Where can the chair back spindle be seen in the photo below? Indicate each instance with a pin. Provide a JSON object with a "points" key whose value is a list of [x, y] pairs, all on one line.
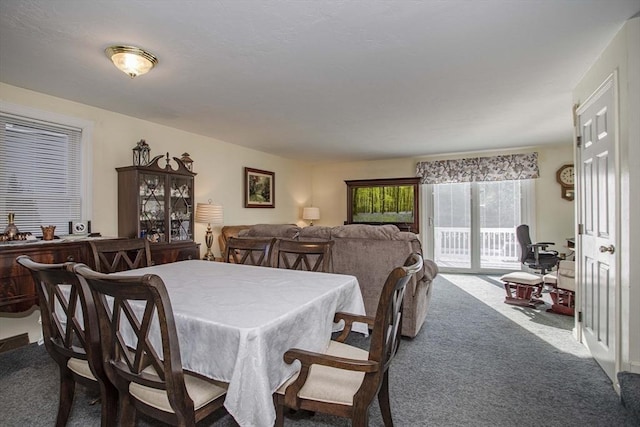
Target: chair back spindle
{"points": [[303, 255], [249, 251], [113, 255], [141, 350], [356, 376], [385, 336], [71, 335]]}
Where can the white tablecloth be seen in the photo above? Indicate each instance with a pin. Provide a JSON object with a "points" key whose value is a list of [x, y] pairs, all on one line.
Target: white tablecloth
{"points": [[235, 322]]}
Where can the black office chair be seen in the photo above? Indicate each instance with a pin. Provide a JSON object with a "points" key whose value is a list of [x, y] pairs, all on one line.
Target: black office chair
{"points": [[535, 255]]}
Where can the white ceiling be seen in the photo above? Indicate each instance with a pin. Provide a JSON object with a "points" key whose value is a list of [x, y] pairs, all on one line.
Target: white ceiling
{"points": [[323, 80]]}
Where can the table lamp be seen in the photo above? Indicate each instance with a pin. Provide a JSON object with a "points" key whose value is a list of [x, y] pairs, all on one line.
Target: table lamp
{"points": [[208, 213], [310, 214]]}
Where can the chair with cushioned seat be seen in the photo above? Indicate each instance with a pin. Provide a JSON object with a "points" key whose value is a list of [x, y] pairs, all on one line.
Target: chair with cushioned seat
{"points": [[344, 380], [147, 372], [535, 255], [249, 251], [113, 255], [303, 255], [522, 288], [71, 336]]}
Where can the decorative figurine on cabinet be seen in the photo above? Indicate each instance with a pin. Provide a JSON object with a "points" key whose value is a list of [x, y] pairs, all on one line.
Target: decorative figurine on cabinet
{"points": [[141, 153]]}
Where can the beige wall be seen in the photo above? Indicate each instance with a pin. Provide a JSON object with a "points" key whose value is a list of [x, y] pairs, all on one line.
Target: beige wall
{"points": [[219, 166], [554, 215], [623, 55]]}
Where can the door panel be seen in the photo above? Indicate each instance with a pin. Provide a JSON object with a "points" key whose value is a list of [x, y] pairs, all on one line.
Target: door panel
{"points": [[500, 212], [452, 231], [604, 221], [597, 215]]}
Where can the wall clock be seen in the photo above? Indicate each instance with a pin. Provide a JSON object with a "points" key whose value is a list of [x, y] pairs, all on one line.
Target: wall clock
{"points": [[566, 178]]}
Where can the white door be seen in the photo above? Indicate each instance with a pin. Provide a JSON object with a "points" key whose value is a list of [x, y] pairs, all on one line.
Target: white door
{"points": [[597, 219]]}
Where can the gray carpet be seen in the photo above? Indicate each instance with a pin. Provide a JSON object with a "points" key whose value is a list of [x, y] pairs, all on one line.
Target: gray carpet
{"points": [[469, 366], [630, 392]]}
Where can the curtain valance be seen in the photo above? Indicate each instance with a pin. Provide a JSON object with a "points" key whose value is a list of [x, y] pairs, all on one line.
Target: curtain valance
{"points": [[496, 168]]}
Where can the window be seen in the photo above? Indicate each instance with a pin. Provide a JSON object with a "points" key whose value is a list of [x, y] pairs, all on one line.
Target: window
{"points": [[474, 224], [43, 169], [474, 205]]}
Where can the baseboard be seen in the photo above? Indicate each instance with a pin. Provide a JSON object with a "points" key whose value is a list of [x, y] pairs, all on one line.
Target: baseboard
{"points": [[634, 367], [14, 342]]}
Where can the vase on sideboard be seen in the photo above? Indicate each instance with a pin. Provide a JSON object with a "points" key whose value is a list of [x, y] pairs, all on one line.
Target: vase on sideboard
{"points": [[11, 231]]}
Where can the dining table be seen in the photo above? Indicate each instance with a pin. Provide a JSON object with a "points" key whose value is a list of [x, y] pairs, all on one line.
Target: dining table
{"points": [[235, 322]]}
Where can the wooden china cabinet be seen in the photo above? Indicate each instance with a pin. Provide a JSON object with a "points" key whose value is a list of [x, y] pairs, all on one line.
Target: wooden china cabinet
{"points": [[153, 202], [156, 202]]}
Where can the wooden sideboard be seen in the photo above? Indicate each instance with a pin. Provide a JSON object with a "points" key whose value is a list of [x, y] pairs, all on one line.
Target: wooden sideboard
{"points": [[17, 290]]}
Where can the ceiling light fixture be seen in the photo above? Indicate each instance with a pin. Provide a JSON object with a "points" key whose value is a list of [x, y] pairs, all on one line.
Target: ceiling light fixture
{"points": [[131, 60]]}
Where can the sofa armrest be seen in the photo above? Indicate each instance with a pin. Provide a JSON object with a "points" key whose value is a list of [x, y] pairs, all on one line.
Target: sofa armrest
{"points": [[430, 270]]}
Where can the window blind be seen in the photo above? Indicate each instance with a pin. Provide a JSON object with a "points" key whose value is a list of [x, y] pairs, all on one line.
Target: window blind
{"points": [[40, 174]]}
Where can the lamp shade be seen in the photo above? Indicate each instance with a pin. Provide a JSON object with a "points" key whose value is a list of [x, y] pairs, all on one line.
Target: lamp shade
{"points": [[311, 213], [208, 213]]}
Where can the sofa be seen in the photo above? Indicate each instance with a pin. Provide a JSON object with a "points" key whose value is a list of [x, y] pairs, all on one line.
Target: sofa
{"points": [[368, 252]]}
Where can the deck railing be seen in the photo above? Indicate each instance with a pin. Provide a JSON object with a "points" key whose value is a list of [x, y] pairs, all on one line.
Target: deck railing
{"points": [[498, 246]]}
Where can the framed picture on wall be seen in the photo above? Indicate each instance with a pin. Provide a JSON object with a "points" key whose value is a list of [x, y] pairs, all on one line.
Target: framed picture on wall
{"points": [[259, 188]]}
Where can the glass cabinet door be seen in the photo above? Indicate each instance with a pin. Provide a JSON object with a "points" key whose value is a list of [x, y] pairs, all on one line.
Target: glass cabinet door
{"points": [[181, 208], [152, 206], [156, 202]]}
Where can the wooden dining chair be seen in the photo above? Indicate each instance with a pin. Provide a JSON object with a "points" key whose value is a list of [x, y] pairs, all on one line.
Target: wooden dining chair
{"points": [[344, 380], [249, 251], [147, 371], [303, 255], [113, 255], [71, 336]]}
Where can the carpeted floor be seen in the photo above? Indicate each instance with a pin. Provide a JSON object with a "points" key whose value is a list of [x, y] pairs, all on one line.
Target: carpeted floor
{"points": [[477, 362]]}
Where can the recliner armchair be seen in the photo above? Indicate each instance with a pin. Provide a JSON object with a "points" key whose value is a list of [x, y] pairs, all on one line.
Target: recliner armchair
{"points": [[535, 255]]}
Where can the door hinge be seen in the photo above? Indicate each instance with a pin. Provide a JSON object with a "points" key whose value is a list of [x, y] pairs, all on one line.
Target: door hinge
{"points": [[580, 229], [579, 317], [578, 141]]}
